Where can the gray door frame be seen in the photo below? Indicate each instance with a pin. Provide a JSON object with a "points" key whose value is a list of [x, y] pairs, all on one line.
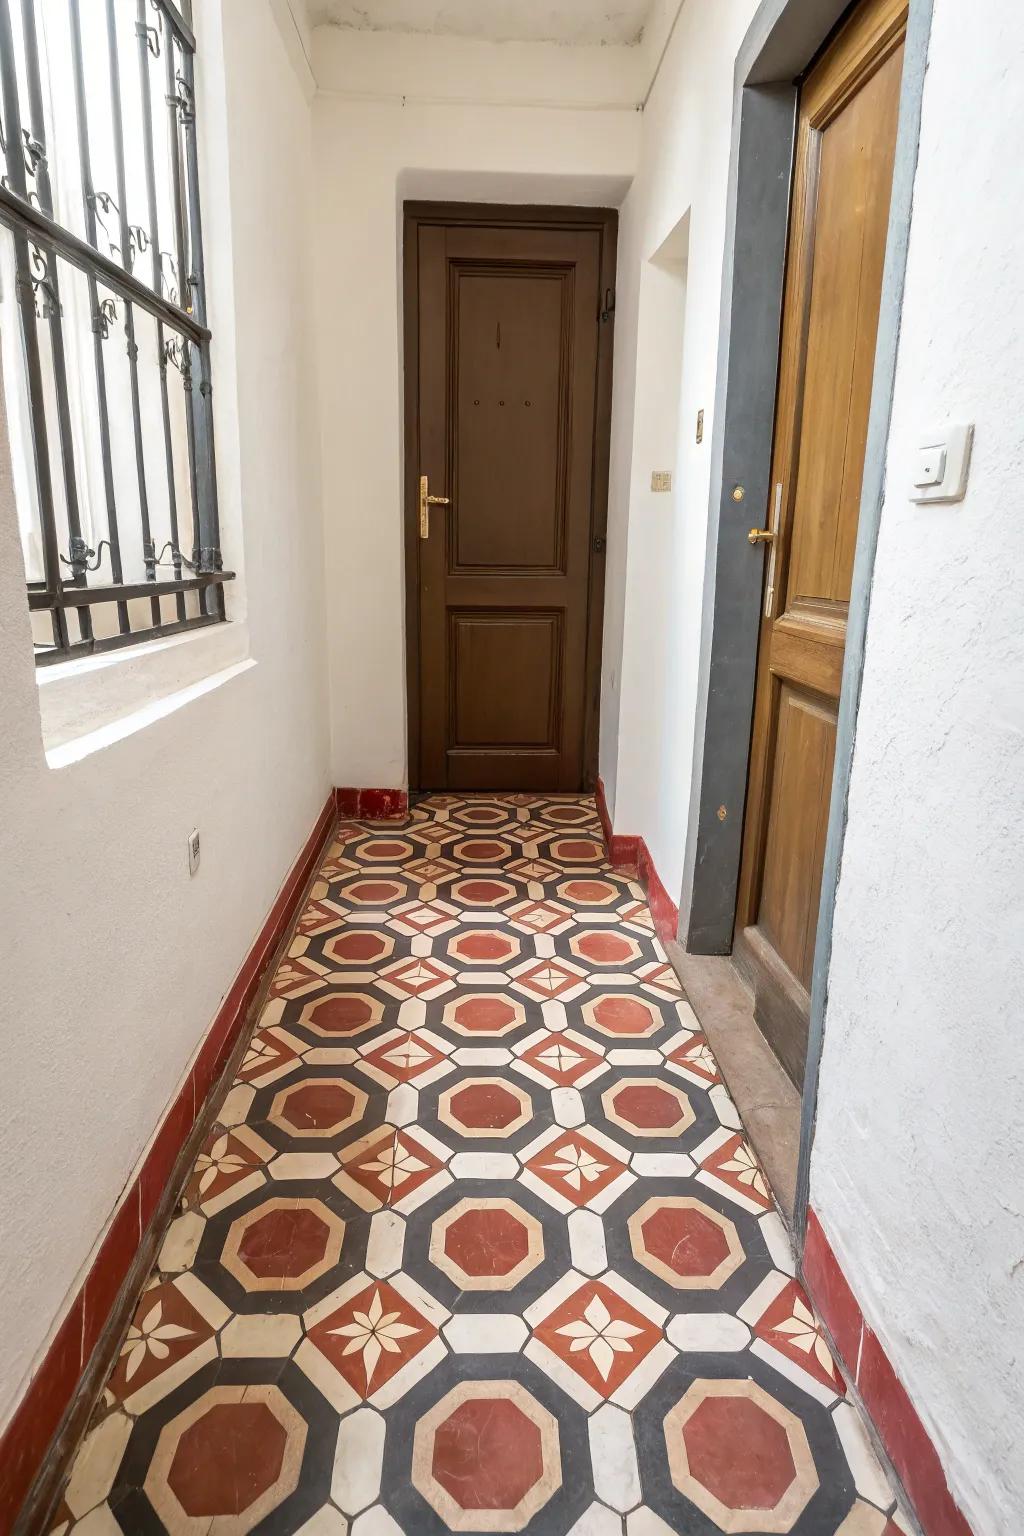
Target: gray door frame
{"points": [[784, 36]]}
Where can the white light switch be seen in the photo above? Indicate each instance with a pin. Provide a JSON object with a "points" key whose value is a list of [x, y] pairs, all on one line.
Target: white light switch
{"points": [[940, 463], [931, 465]]}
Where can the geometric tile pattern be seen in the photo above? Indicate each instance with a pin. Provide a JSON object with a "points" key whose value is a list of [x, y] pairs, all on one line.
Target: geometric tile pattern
{"points": [[476, 1243]]}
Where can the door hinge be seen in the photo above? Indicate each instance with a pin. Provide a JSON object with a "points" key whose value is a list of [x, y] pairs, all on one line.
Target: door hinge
{"points": [[609, 306], [599, 545]]}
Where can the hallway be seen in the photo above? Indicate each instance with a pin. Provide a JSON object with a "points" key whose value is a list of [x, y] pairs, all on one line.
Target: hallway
{"points": [[476, 1243]]}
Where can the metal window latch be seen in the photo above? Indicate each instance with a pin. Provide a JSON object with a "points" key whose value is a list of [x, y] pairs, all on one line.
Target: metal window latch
{"points": [[426, 502]]}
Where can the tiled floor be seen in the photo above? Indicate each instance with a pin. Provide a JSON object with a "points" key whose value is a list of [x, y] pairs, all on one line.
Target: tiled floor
{"points": [[477, 1244]]}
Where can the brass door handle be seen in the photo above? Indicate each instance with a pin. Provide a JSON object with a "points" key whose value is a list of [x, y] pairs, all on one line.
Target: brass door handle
{"points": [[426, 502], [760, 536]]}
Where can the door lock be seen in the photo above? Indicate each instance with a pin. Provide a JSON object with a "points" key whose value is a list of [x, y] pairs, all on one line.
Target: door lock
{"points": [[426, 502]]}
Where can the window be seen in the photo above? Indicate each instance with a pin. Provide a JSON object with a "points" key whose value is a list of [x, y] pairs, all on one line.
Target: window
{"points": [[105, 348]]}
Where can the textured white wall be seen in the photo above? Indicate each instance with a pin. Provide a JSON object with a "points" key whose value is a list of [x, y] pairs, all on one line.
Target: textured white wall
{"points": [[114, 961], [371, 155], [653, 614], [918, 1168]]}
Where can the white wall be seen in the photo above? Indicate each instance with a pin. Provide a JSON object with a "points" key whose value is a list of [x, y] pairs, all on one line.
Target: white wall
{"points": [[114, 961], [656, 544], [371, 154], [918, 1167]]}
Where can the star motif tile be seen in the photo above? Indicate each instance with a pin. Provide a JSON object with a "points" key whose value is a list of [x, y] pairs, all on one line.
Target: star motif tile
{"points": [[477, 1243]]}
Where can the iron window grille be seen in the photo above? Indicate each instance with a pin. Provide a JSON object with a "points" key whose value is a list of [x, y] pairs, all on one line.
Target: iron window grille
{"points": [[102, 258]]}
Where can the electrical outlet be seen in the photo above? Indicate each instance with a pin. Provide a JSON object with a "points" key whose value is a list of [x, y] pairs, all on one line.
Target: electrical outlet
{"points": [[661, 479], [193, 851]]}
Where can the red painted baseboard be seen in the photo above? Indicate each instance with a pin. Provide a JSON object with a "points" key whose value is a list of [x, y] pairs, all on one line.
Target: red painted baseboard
{"points": [[371, 804], [36, 1419], [632, 854], [899, 1427]]}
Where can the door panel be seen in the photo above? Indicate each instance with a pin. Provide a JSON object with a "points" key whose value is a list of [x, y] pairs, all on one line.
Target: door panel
{"points": [[508, 396], [513, 334], [846, 138], [490, 650]]}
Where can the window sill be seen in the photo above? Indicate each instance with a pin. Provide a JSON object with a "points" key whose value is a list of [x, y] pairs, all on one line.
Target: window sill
{"points": [[92, 701]]}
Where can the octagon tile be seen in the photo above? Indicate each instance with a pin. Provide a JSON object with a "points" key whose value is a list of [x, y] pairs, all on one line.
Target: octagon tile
{"points": [[484, 1107], [227, 1461], [487, 1457], [483, 1014], [486, 1244], [685, 1242], [645, 1106], [283, 1244], [770, 1477]]}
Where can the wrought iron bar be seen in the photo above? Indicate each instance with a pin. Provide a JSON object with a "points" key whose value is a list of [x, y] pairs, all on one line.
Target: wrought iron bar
{"points": [[27, 303], [53, 309], [95, 647], [172, 499], [180, 21], [100, 325], [177, 184], [75, 597], [18, 213], [143, 32], [117, 119], [206, 468], [178, 316]]}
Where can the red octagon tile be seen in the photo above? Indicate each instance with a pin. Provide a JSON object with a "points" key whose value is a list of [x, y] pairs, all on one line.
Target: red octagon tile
{"points": [[481, 816], [740, 1456], [318, 1106], [342, 1013], [227, 1460], [486, 1244], [373, 892], [383, 850], [482, 850], [484, 1013], [480, 891], [359, 946], [589, 893], [576, 850], [685, 1243], [283, 1244], [487, 1457], [484, 946], [485, 1107], [605, 946], [646, 1107], [569, 814], [622, 1014]]}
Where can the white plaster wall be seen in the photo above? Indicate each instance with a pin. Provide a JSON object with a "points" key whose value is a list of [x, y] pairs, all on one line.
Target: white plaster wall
{"points": [[918, 1168], [370, 155], [656, 545], [114, 961]]}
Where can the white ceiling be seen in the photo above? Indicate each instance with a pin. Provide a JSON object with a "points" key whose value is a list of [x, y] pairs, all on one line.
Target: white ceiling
{"points": [[555, 21]]}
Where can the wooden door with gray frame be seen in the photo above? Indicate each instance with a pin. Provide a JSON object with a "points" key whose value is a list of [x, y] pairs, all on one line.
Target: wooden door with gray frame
{"points": [[508, 372], [846, 138]]}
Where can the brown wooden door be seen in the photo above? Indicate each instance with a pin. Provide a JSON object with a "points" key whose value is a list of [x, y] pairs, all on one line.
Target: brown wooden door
{"points": [[509, 421], [846, 139]]}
